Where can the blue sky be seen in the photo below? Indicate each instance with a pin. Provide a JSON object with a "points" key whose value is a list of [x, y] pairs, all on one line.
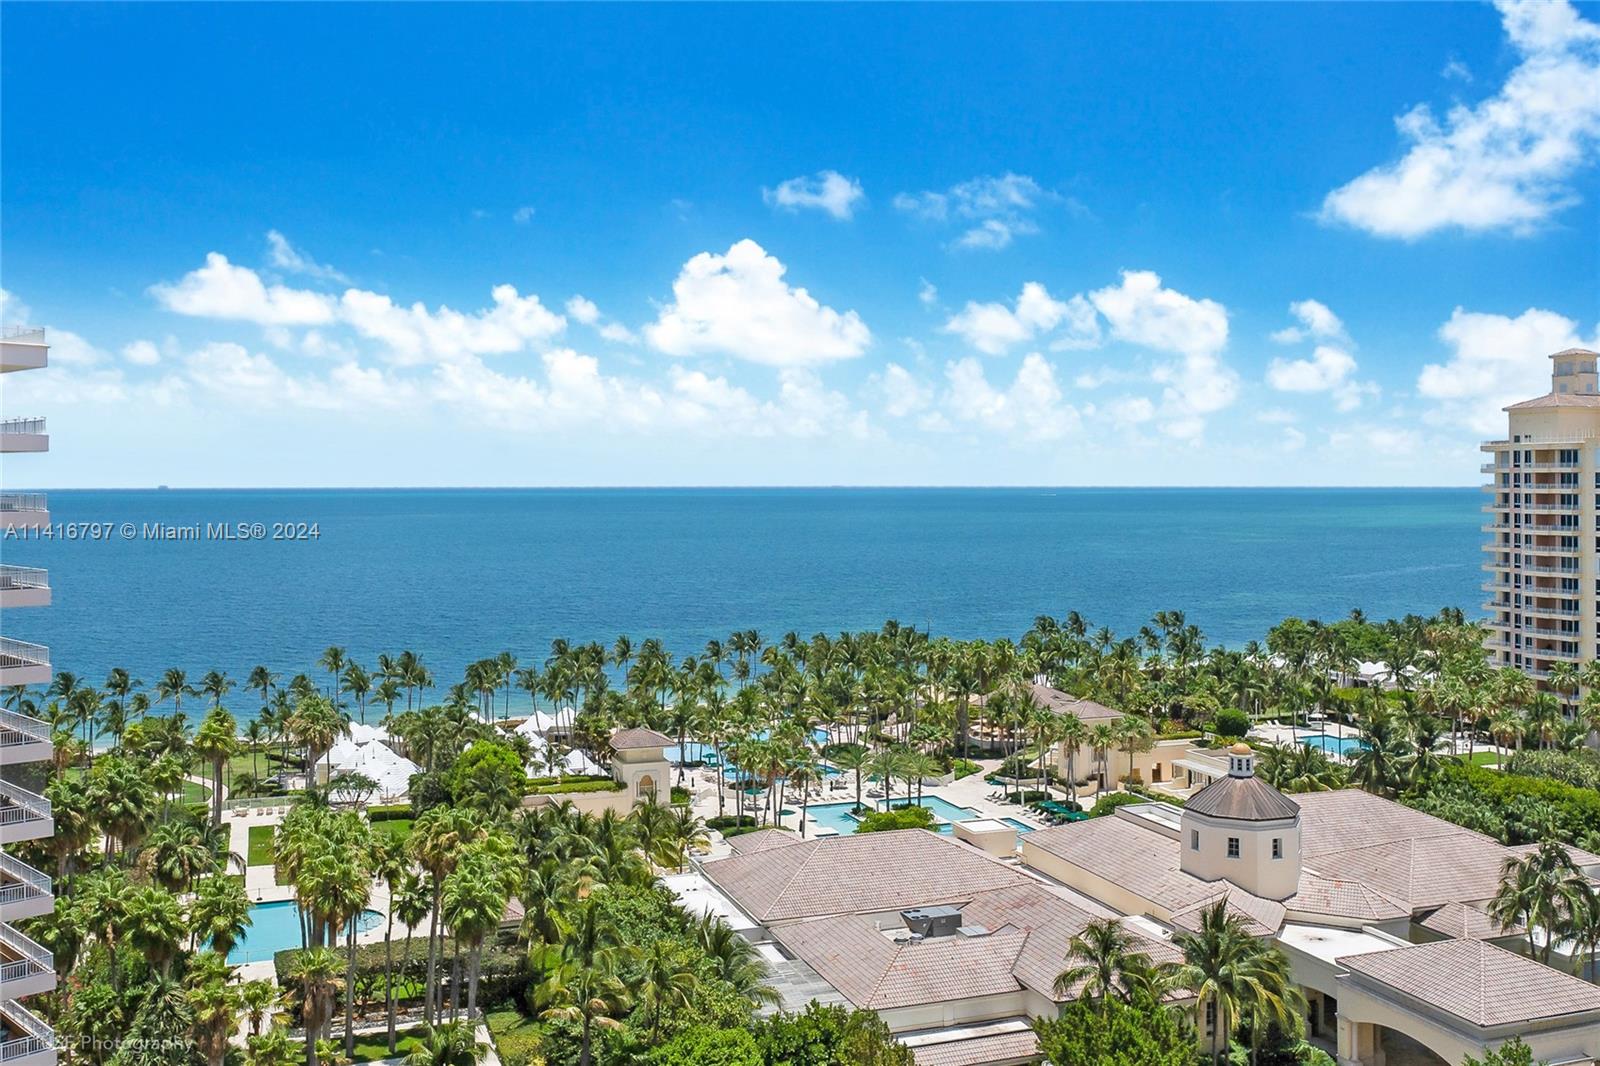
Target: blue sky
{"points": [[521, 245]]}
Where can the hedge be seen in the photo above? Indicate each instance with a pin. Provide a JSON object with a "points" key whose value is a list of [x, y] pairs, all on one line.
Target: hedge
{"points": [[503, 974], [389, 812], [571, 787]]}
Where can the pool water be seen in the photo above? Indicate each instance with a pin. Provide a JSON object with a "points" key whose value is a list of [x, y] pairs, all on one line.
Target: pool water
{"points": [[1331, 744], [697, 752], [840, 817], [275, 927], [1021, 827]]}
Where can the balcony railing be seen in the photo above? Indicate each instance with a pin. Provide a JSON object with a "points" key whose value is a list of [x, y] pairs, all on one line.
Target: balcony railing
{"points": [[36, 1035], [23, 501], [23, 577], [18, 805], [1537, 442], [21, 653], [19, 881], [17, 728], [32, 334], [21, 956], [22, 425], [1554, 612]]}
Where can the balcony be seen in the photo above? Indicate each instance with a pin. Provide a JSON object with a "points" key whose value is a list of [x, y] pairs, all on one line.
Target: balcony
{"points": [[22, 663], [24, 1039], [24, 586], [26, 967], [24, 891], [24, 815], [24, 435], [1559, 571], [23, 510], [23, 348], [1490, 527], [1530, 441], [23, 739], [1550, 612], [1549, 508]]}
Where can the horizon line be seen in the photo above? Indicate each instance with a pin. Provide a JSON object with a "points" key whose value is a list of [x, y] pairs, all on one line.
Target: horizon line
{"points": [[732, 488]]}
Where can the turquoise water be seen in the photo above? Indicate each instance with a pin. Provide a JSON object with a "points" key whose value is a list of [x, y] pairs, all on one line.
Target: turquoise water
{"points": [[275, 927], [841, 818], [458, 575], [1021, 827], [1331, 744]]}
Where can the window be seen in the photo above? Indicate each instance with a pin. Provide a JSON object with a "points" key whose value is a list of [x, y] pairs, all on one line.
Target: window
{"points": [[1277, 847], [1194, 840], [1233, 847]]}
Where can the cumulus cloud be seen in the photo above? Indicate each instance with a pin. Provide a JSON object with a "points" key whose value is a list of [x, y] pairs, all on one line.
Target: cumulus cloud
{"points": [[994, 209], [231, 372], [1329, 369], [1140, 310], [903, 392], [927, 293], [994, 328], [141, 353], [738, 304], [586, 312], [1504, 163], [1495, 360], [827, 191], [417, 335], [288, 258], [1317, 322], [583, 310], [522, 215], [1031, 407], [225, 291]]}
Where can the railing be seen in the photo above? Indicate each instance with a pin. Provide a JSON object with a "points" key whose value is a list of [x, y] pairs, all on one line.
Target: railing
{"points": [[37, 1036], [21, 805], [22, 425], [21, 653], [27, 955], [17, 728], [23, 577], [1556, 612], [1549, 508], [1564, 571], [18, 333], [23, 501], [1495, 445], [21, 881]]}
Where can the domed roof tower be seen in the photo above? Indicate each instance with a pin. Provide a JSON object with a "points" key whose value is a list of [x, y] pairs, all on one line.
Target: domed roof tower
{"points": [[1241, 829]]}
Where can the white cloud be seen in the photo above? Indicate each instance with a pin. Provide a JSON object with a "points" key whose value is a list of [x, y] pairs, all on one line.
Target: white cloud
{"points": [[141, 353], [1456, 70], [1031, 407], [994, 328], [1141, 311], [1293, 439], [1317, 322], [1330, 369], [827, 190], [1130, 410], [522, 215], [221, 290], [233, 373], [416, 335], [1505, 163], [617, 333], [927, 293], [1496, 360], [994, 209], [583, 310], [738, 304], [903, 392], [286, 257]]}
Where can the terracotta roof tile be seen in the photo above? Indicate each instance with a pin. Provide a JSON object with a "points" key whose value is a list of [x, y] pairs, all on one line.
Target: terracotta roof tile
{"points": [[1022, 1046], [1477, 982], [623, 739]]}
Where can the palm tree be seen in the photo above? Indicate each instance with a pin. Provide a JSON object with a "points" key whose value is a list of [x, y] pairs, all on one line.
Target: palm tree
{"points": [[316, 972], [435, 843], [217, 741], [216, 684], [257, 999], [667, 983], [1102, 738], [1107, 964], [271, 1048], [215, 1003], [851, 759], [219, 915], [1071, 734], [155, 925], [734, 959], [1543, 889], [474, 901], [175, 857], [1235, 975], [449, 1044], [333, 660], [584, 986]]}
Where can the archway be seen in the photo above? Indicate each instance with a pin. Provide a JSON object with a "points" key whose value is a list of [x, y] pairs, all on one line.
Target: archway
{"points": [[647, 786]]}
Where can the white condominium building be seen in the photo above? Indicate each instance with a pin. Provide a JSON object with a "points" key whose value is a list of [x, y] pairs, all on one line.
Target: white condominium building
{"points": [[1543, 526], [27, 968]]}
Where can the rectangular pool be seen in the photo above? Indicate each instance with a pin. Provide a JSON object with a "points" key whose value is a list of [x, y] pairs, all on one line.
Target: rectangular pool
{"points": [[840, 817], [275, 927]]}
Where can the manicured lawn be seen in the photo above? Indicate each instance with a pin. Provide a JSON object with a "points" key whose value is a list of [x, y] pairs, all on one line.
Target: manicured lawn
{"points": [[398, 829], [1485, 758], [370, 1047], [260, 851], [194, 792]]}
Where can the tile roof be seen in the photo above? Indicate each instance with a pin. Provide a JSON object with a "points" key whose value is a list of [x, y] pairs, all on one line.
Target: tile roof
{"points": [[1477, 982], [762, 840], [623, 739], [1246, 799], [1053, 699], [863, 873], [1338, 897], [1558, 399], [1021, 1046], [1464, 922], [1262, 917]]}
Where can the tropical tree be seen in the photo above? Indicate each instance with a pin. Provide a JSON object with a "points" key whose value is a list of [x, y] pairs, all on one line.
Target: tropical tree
{"points": [[216, 741], [1106, 963], [1235, 975]]}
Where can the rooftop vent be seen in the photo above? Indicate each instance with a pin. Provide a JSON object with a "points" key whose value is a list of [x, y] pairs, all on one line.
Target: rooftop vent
{"points": [[932, 921]]}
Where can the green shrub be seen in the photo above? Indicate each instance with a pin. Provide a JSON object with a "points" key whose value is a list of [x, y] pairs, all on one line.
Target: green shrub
{"points": [[680, 795], [388, 812], [724, 822], [1112, 800], [1230, 722], [568, 786], [965, 768], [912, 817]]}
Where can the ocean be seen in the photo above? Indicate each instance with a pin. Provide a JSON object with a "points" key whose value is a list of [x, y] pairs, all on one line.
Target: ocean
{"points": [[456, 575]]}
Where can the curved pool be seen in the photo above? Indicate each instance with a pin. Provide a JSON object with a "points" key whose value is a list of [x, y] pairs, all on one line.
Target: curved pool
{"points": [[275, 927]]}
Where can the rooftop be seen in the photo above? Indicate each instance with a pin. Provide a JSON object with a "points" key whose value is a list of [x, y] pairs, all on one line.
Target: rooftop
{"points": [[623, 739], [1247, 799], [1477, 982], [846, 875], [1059, 702]]}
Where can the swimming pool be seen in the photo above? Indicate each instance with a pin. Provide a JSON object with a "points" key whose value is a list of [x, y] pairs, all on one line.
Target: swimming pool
{"points": [[1331, 744], [275, 927], [697, 752], [841, 818], [1021, 827]]}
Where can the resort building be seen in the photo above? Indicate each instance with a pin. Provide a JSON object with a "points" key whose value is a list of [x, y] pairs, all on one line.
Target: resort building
{"points": [[1543, 526], [26, 967], [1380, 909]]}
